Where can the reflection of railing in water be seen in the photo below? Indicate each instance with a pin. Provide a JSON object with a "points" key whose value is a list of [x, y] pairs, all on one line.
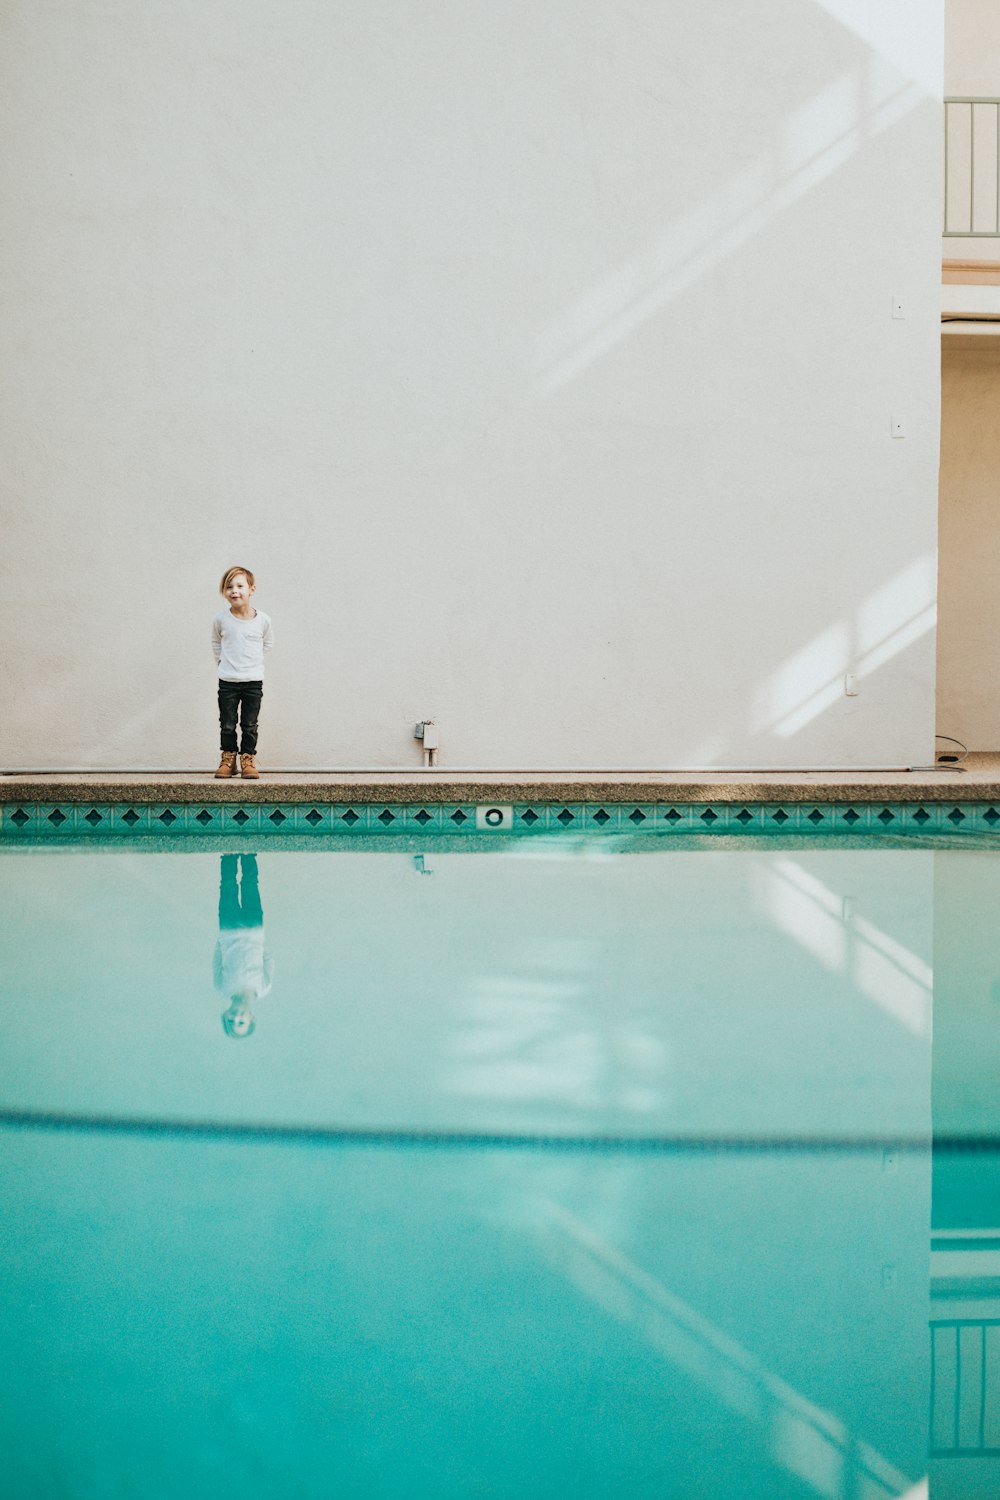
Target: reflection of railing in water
{"points": [[804, 1439], [965, 1412], [971, 131]]}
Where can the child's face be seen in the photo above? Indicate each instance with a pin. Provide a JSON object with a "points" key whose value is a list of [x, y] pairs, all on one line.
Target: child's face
{"points": [[237, 1020], [238, 591]]}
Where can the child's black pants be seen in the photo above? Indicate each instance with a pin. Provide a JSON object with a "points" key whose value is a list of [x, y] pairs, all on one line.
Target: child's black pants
{"points": [[239, 700]]}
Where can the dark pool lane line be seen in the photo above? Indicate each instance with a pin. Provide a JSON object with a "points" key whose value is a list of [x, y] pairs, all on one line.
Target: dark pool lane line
{"points": [[362, 1137]]}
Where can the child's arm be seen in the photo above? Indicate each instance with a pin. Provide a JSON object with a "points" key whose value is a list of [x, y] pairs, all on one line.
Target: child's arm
{"points": [[216, 640], [268, 635]]}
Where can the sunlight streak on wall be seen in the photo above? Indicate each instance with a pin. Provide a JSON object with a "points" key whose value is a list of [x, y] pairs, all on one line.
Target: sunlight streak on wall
{"points": [[902, 598], [889, 30], [806, 684], [816, 140], [891, 618]]}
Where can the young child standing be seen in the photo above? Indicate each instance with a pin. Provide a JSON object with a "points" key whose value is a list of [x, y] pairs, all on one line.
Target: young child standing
{"points": [[240, 636]]}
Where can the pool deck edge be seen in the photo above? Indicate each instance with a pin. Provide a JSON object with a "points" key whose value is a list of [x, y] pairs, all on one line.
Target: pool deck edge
{"points": [[976, 784]]}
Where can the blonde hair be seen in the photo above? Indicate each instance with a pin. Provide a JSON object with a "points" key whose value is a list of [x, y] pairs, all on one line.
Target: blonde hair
{"points": [[231, 573]]}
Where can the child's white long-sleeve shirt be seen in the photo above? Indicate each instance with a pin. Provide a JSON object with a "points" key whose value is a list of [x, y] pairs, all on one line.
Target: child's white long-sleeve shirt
{"points": [[239, 645], [241, 964]]}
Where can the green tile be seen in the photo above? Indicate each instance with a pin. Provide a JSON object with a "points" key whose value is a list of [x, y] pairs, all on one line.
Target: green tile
{"points": [[779, 817], [458, 818], [130, 817], [851, 817], [166, 818], [241, 819], [422, 817], [57, 818], [277, 817], [387, 817], [313, 817], [817, 817], [350, 817], [921, 817], [675, 817], [744, 817], [530, 817]]}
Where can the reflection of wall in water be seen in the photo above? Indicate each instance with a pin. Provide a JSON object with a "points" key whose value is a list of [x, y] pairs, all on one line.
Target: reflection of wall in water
{"points": [[706, 1325], [965, 1242], [729, 1316], [552, 985]]}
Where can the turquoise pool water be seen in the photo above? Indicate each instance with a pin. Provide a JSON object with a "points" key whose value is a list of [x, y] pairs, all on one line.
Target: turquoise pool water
{"points": [[569, 1165]]}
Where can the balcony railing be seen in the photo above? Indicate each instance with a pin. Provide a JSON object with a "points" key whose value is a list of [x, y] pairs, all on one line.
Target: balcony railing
{"points": [[972, 168], [965, 1364]]}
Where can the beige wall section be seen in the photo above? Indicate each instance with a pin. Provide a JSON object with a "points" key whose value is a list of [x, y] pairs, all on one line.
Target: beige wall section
{"points": [[969, 583], [971, 47], [539, 358]]}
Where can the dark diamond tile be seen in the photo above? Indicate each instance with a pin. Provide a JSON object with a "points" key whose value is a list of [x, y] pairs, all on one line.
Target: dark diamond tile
{"points": [[744, 816], [851, 816], [20, 817], [459, 817], [168, 817], [637, 816], [565, 816], [602, 817], [780, 816], [991, 816], [423, 816], [130, 817], [203, 817], [886, 817], [529, 817], [673, 816], [709, 817], [241, 817], [313, 817], [57, 817], [277, 817], [386, 817], [921, 815], [815, 816], [350, 817], [93, 817], [956, 816]]}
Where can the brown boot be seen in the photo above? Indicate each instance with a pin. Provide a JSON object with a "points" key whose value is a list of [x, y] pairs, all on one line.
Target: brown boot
{"points": [[227, 765], [248, 770]]}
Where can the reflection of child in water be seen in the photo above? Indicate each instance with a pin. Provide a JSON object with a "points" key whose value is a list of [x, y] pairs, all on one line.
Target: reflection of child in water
{"points": [[241, 968]]}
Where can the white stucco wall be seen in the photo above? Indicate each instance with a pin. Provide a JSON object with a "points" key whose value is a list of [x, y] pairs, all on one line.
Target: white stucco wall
{"points": [[540, 359]]}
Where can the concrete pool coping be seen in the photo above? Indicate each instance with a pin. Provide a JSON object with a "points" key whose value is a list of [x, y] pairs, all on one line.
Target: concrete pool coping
{"points": [[978, 780]]}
